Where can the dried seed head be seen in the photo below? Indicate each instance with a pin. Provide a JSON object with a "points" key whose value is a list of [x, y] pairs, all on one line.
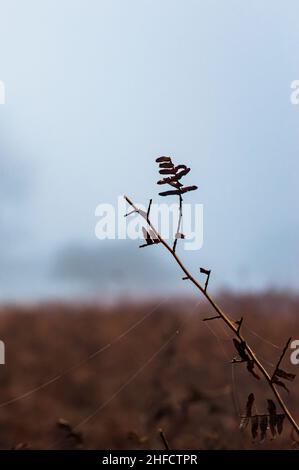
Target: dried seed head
{"points": [[166, 167]]}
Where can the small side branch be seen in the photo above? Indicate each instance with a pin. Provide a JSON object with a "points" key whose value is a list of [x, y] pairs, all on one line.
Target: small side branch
{"points": [[211, 318], [130, 213]]}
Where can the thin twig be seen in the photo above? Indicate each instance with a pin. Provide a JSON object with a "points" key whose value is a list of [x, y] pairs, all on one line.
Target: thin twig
{"points": [[164, 440], [211, 318], [179, 222], [129, 213], [227, 320]]}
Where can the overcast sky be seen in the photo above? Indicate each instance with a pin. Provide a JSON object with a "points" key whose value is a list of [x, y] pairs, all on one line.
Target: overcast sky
{"points": [[95, 90]]}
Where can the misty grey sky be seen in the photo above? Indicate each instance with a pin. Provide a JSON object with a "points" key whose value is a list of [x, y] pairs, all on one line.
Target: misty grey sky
{"points": [[95, 90]]}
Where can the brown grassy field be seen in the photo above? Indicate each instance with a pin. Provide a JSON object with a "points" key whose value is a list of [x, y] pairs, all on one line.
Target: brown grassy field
{"points": [[187, 389]]}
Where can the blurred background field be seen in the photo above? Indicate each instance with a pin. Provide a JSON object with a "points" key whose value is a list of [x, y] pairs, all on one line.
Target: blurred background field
{"points": [[187, 389]]}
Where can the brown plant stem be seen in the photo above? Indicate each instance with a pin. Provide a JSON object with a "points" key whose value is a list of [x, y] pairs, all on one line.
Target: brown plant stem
{"points": [[228, 321]]}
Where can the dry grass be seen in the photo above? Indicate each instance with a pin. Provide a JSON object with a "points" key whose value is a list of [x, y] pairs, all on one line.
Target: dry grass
{"points": [[186, 390]]}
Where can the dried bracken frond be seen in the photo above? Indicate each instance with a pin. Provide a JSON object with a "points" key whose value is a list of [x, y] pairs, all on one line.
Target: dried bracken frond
{"points": [[270, 420], [176, 173]]}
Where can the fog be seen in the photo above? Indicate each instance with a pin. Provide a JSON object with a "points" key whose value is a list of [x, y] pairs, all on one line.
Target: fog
{"points": [[96, 90]]}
